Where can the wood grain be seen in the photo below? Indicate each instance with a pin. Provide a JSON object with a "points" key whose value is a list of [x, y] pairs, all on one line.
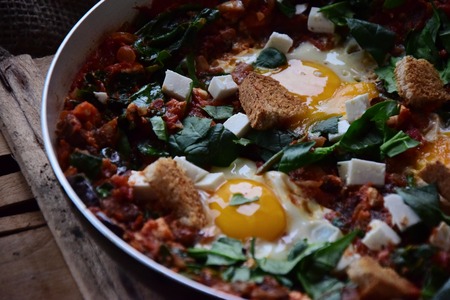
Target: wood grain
{"points": [[4, 149], [96, 274], [21, 222], [33, 268], [14, 189]]}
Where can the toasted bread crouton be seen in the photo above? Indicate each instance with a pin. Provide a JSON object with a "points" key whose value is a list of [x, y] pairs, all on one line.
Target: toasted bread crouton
{"points": [[439, 174], [419, 84], [175, 192], [267, 103], [376, 282]]}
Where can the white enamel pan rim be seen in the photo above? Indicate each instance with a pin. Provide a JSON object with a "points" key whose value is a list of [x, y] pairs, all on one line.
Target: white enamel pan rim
{"points": [[106, 16]]}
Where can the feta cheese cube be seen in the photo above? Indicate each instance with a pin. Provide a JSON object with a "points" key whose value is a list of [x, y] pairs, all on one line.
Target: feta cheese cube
{"points": [[279, 41], [211, 182], [356, 107], [239, 124], [358, 171], [402, 214], [102, 97], [139, 183], [192, 171], [343, 125], [222, 87], [349, 256], [380, 235], [300, 8], [317, 22], [440, 237], [177, 86]]}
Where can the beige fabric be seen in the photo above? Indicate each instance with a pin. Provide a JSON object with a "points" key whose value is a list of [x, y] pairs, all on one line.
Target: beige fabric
{"points": [[37, 27]]}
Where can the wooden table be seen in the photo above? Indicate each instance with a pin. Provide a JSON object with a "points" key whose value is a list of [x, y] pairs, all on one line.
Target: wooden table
{"points": [[47, 249]]}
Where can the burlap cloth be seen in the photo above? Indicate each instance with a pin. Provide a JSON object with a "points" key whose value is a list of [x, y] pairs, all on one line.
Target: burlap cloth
{"points": [[37, 27]]}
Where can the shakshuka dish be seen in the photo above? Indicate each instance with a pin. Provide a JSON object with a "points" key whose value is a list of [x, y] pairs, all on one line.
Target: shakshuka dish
{"points": [[273, 149]]}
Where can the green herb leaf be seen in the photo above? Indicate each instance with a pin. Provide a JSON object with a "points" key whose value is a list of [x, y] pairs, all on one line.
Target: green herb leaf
{"points": [[147, 94], [269, 142], [338, 12], [286, 7], [203, 144], [224, 251], [374, 38], [159, 128], [425, 202], [219, 112], [239, 199], [386, 74], [399, 143], [327, 126], [86, 163], [270, 58], [104, 190], [423, 44], [300, 155], [149, 150], [366, 134]]}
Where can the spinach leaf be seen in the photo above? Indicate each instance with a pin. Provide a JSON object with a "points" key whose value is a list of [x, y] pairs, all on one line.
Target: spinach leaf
{"points": [[149, 150], [338, 12], [423, 44], [413, 260], [224, 251], [147, 94], [270, 58], [167, 34], [327, 126], [386, 74], [270, 142], [235, 274], [219, 112], [425, 202], [159, 128], [366, 134], [203, 144], [104, 190], [286, 7], [313, 271], [239, 199], [86, 163], [374, 38], [300, 155], [190, 63], [398, 144]]}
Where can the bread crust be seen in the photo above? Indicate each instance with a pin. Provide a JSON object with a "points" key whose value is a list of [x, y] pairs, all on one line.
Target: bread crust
{"points": [[376, 282], [267, 103], [175, 192], [419, 84], [439, 174]]}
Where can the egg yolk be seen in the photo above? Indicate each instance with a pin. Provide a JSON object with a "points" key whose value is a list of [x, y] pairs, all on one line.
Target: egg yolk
{"points": [[437, 150], [321, 89], [263, 218]]}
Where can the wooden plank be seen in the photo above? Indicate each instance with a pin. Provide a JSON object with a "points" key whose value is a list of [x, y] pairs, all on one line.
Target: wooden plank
{"points": [[21, 222], [14, 189], [33, 268], [97, 276], [4, 149]]}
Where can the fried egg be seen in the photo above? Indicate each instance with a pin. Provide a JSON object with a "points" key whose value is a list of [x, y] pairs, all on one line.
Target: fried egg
{"points": [[281, 216], [323, 80]]}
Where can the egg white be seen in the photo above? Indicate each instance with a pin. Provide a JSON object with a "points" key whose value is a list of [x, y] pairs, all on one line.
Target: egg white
{"points": [[304, 217]]}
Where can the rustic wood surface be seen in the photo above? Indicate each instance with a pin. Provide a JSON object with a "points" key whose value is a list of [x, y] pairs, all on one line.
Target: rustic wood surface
{"points": [[51, 250]]}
